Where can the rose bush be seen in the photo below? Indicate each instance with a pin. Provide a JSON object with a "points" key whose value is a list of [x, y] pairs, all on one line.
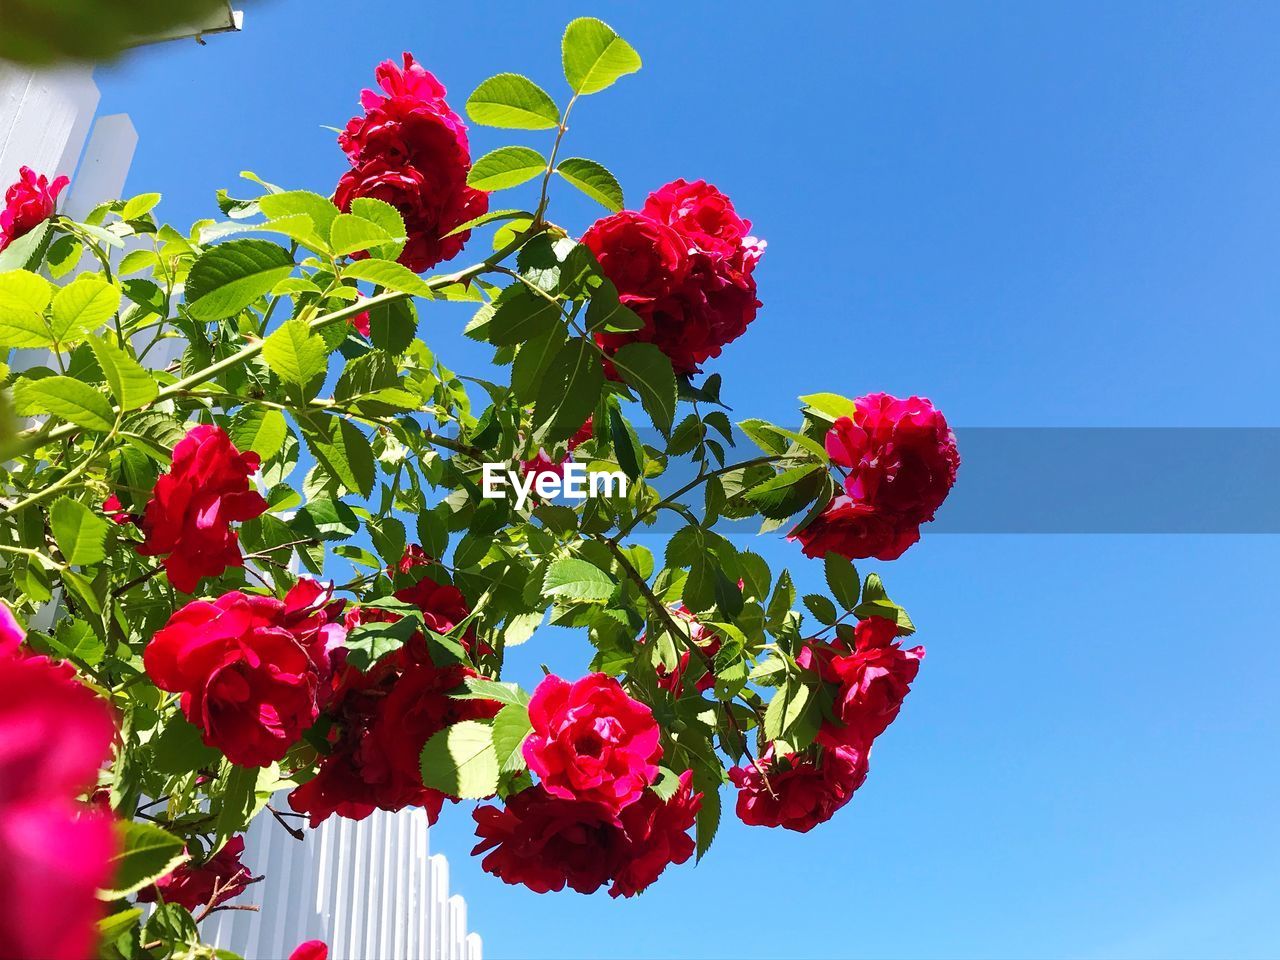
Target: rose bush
{"points": [[242, 497]]}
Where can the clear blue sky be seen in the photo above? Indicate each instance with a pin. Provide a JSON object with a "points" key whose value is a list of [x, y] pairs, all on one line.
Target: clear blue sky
{"points": [[1036, 214]]}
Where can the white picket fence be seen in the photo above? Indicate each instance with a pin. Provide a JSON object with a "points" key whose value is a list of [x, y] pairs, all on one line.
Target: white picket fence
{"points": [[369, 889]]}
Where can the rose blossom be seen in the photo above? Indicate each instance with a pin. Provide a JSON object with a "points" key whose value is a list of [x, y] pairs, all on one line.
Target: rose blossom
{"points": [[410, 149], [383, 717], [27, 204], [547, 842], [311, 950], [685, 265], [188, 519], [805, 791], [874, 678], [856, 530], [55, 853], [657, 831], [218, 880], [901, 455], [706, 640], [248, 668], [590, 741]]}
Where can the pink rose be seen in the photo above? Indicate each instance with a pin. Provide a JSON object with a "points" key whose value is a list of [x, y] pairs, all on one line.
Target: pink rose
{"points": [[657, 833], [27, 204], [55, 852], [248, 668], [194, 886], [802, 791], [188, 519], [856, 530], [872, 680], [311, 950], [591, 741]]}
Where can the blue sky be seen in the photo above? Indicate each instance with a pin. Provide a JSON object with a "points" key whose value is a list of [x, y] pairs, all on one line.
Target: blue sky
{"points": [[1037, 215]]}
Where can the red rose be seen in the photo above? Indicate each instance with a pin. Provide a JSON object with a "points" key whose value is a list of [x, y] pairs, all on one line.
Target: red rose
{"points": [[901, 455], [27, 204], [412, 558], [547, 842], [707, 640], [11, 632], [591, 741], [856, 530], [410, 150], [584, 433], [248, 668], [684, 264], [802, 792], [657, 831], [383, 718], [116, 512], [311, 950], [188, 519], [874, 678], [218, 880], [55, 853]]}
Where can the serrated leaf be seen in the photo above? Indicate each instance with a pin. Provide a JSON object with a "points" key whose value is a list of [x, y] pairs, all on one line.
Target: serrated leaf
{"points": [[645, 367], [510, 728], [506, 167], [388, 218], [533, 361], [259, 430], [595, 56], [294, 353], [832, 406], [229, 277], [145, 854], [65, 398], [80, 533], [708, 821], [24, 297], [81, 307], [321, 211], [389, 274], [821, 607], [368, 643], [493, 216], [460, 761], [512, 101], [520, 315], [842, 578], [352, 234], [139, 205], [327, 519], [576, 579], [26, 252], [569, 391], [594, 180], [130, 384], [788, 492]]}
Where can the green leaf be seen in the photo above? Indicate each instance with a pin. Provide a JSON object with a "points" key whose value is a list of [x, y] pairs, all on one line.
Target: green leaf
{"points": [[533, 361], [512, 101], [510, 728], [370, 642], [595, 56], [65, 398], [831, 406], [83, 306], [388, 218], [294, 353], [520, 315], [246, 792], [389, 274], [786, 708], [433, 533], [28, 250], [594, 180], [141, 204], [321, 211], [259, 430], [229, 277], [23, 299], [352, 234], [131, 385], [821, 607], [81, 534], [708, 820], [576, 579], [146, 853], [606, 312], [327, 519], [842, 578], [460, 761], [569, 392], [492, 216], [786, 493], [506, 167], [478, 688], [109, 928], [647, 368]]}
